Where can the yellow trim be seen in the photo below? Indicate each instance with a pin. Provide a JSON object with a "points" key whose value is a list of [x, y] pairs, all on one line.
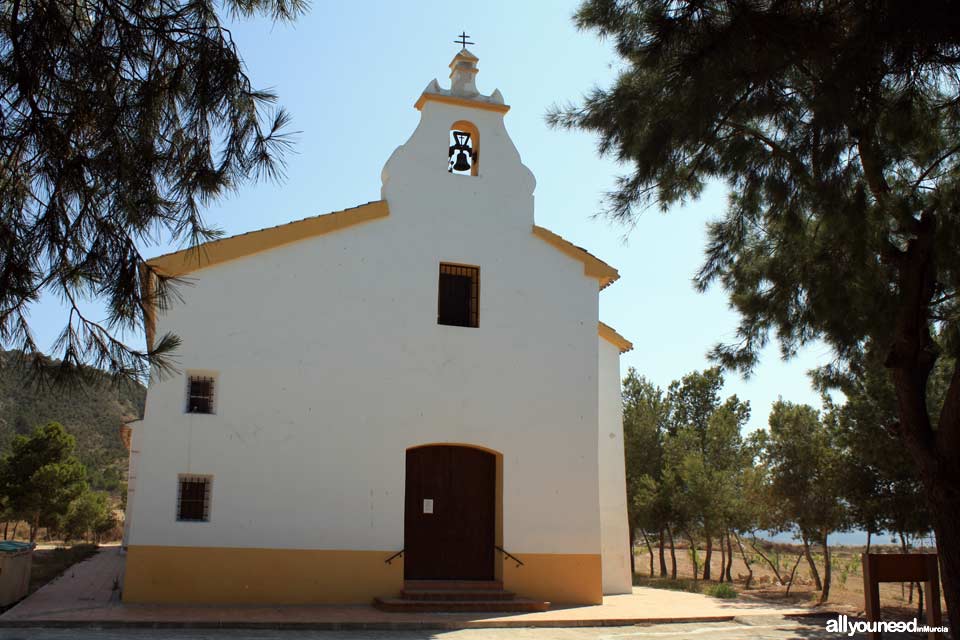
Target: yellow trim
{"points": [[460, 102], [592, 265], [222, 575], [212, 253], [559, 578], [148, 305], [610, 334], [464, 54]]}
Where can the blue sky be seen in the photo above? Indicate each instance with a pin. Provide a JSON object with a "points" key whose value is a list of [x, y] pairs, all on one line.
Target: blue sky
{"points": [[350, 72]]}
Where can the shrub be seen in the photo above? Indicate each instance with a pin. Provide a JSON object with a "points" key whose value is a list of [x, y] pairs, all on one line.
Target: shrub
{"points": [[681, 584], [721, 590]]}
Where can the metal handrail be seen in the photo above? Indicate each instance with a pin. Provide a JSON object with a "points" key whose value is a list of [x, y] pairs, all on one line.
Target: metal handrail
{"points": [[394, 556], [509, 555]]}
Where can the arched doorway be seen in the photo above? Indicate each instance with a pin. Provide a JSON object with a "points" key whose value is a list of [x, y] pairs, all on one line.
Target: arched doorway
{"points": [[449, 513]]}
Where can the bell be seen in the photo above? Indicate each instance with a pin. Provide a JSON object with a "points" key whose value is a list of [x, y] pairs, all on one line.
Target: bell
{"points": [[461, 164]]}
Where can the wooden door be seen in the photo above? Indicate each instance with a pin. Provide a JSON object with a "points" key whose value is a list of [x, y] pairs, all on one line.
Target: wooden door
{"points": [[449, 513]]}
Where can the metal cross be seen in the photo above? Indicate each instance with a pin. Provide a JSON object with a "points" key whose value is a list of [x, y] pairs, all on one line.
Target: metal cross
{"points": [[463, 40]]}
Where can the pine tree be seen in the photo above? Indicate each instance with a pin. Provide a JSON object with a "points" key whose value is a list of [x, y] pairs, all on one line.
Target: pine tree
{"points": [[805, 476], [119, 123], [644, 422], [40, 476], [835, 126]]}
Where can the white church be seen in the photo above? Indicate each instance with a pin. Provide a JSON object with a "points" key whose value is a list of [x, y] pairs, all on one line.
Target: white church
{"points": [[412, 402]]}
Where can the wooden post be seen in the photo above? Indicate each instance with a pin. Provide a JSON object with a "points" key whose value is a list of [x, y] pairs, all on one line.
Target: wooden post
{"points": [[871, 592]]}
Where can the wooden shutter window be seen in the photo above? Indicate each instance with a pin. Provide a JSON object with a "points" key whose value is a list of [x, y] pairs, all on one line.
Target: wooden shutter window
{"points": [[458, 303], [193, 498], [200, 395]]}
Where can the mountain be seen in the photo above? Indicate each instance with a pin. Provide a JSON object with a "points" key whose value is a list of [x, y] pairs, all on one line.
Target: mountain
{"points": [[92, 412]]}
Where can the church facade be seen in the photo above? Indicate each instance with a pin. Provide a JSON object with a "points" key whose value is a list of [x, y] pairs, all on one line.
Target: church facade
{"points": [[418, 388]]}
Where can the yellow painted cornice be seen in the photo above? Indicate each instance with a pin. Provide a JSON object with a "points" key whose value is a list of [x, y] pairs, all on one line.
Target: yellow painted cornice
{"points": [[610, 334], [216, 252], [460, 102], [212, 253], [592, 265]]}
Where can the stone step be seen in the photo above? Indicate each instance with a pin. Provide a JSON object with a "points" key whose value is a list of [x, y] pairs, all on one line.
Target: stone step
{"points": [[517, 605], [456, 585], [456, 594]]}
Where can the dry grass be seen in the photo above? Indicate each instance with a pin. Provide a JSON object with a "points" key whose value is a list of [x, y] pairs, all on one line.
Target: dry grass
{"points": [[846, 590], [21, 532]]}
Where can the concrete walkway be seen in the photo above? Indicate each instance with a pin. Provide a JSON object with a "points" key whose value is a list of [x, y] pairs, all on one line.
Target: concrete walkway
{"points": [[86, 596]]}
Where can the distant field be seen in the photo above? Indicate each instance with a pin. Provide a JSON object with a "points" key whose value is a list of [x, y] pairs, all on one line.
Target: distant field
{"points": [[846, 587]]}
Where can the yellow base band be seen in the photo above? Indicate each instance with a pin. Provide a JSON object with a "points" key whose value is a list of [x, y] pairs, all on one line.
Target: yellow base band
{"points": [[559, 578], [217, 575]]}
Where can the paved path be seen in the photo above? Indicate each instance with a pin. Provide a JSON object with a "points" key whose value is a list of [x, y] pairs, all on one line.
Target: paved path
{"points": [[753, 628], [84, 586], [86, 595]]}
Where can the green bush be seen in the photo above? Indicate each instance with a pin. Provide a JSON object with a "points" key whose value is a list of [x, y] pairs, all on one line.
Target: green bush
{"points": [[722, 590], [89, 515], [681, 584]]}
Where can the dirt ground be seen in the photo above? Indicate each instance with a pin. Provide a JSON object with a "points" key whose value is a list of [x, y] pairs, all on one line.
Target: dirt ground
{"points": [[846, 588]]}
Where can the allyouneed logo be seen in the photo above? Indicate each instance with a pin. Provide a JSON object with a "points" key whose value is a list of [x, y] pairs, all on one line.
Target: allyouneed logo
{"points": [[843, 624]]}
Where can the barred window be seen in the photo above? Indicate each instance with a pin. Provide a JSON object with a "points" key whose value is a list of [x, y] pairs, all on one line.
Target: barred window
{"points": [[193, 498], [200, 394], [459, 296]]}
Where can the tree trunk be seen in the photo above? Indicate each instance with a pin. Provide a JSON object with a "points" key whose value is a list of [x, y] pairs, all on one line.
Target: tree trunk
{"points": [[5, 525], [633, 559], [708, 554], [920, 601], [34, 527], [912, 356], [693, 556], [813, 565], [723, 558], [16, 525], [663, 561], [673, 556], [905, 548], [746, 562], [868, 541], [729, 559], [773, 567], [942, 489], [825, 594], [793, 573], [649, 550]]}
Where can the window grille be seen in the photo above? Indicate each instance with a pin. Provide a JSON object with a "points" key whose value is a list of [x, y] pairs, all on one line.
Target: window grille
{"points": [[459, 296], [193, 498], [200, 395]]}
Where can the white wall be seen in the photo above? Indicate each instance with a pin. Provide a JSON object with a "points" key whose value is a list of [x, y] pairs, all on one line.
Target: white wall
{"points": [[331, 364], [132, 471], [615, 531]]}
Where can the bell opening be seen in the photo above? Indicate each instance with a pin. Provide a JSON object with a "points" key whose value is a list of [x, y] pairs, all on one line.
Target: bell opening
{"points": [[461, 155]]}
